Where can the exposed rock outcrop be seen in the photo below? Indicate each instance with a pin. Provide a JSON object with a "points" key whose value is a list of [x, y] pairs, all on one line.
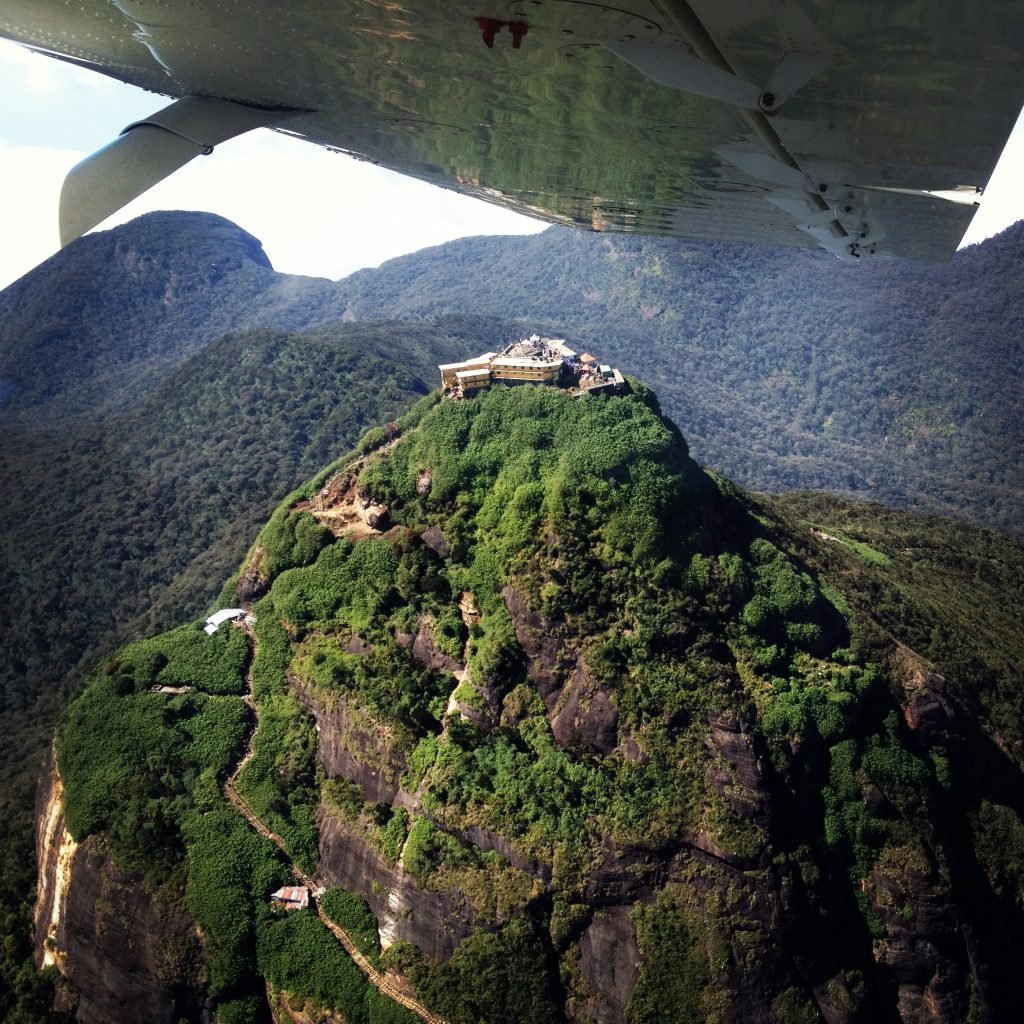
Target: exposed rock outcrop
{"points": [[347, 509], [352, 744], [738, 774], [357, 645], [435, 539], [586, 718], [55, 851], [125, 954], [372, 512], [923, 946], [609, 965], [548, 658], [435, 921], [927, 710], [252, 585], [488, 840], [426, 651], [128, 955]]}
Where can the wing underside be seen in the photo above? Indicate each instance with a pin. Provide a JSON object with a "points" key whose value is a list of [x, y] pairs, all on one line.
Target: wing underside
{"points": [[810, 123]]}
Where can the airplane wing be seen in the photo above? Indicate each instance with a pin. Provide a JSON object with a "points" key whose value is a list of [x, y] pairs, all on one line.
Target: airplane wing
{"points": [[866, 128]]}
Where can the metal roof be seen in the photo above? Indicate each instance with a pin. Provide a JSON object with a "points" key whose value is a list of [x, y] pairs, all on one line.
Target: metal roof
{"points": [[485, 358], [223, 616]]}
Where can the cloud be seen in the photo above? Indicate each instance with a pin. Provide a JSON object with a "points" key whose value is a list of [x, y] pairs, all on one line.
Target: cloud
{"points": [[39, 75], [36, 75], [32, 181], [317, 213], [321, 213]]}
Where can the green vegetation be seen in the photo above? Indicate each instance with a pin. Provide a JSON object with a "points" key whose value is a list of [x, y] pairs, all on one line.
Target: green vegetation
{"points": [[664, 671], [388, 680], [493, 976], [187, 656], [134, 762], [299, 954], [671, 986], [346, 583], [950, 592], [783, 371], [353, 913], [441, 861], [291, 538], [592, 468], [280, 781], [999, 843], [142, 449], [604, 542], [384, 827], [231, 872], [634, 677]]}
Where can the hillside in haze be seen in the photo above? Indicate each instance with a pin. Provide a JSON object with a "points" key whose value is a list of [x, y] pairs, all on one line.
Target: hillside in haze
{"points": [[556, 727], [889, 381], [786, 369], [98, 326]]}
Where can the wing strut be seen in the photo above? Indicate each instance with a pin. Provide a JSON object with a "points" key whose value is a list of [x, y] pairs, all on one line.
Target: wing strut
{"points": [[709, 73], [147, 152]]}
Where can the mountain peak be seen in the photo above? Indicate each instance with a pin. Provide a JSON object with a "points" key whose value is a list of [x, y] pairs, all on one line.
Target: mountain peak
{"points": [[598, 742], [168, 235], [97, 313]]}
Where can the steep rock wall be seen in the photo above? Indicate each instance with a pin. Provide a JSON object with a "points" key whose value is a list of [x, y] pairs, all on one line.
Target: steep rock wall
{"points": [[352, 745], [125, 954], [435, 921], [609, 965], [55, 851]]}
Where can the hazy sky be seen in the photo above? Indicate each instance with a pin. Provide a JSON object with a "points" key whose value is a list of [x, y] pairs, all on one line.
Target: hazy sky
{"points": [[315, 212]]}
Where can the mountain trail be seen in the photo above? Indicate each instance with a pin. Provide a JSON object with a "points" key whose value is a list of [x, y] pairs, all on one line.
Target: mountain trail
{"points": [[389, 983]]}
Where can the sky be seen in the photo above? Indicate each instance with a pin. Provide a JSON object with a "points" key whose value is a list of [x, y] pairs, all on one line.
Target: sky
{"points": [[316, 213]]}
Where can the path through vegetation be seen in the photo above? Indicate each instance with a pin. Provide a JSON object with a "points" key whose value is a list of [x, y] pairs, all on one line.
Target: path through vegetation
{"points": [[387, 983]]}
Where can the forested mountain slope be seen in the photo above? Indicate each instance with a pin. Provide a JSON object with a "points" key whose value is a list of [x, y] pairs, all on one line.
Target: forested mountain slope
{"points": [[785, 368], [161, 386], [131, 521], [96, 328], [578, 732]]}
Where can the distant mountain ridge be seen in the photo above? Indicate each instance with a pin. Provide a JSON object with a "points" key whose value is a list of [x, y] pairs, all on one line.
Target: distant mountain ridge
{"points": [[893, 381], [97, 326]]}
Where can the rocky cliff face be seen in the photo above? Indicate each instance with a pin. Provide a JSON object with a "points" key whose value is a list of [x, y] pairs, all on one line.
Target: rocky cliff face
{"points": [[435, 921], [925, 950], [355, 745], [125, 954], [55, 852]]}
